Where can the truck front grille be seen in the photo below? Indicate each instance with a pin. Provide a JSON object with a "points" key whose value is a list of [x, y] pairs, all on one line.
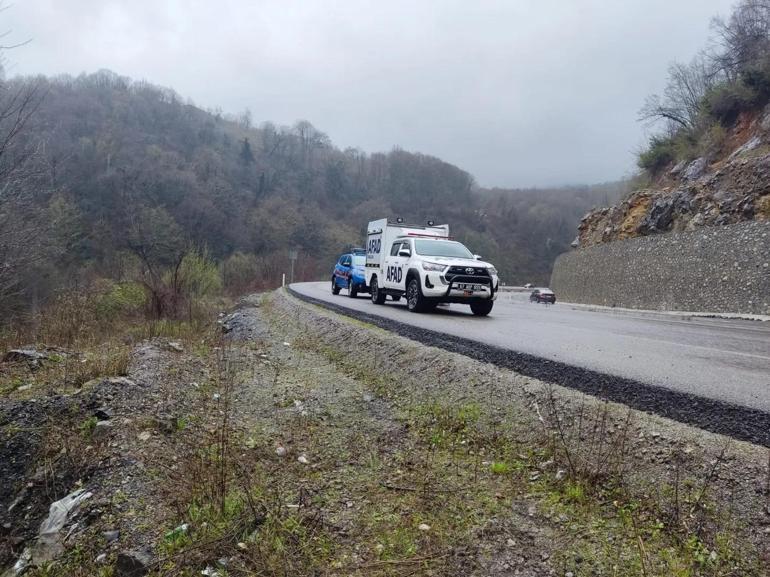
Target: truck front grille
{"points": [[478, 271]]}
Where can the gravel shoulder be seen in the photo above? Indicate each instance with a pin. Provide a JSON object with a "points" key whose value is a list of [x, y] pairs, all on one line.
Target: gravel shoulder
{"points": [[705, 403], [647, 455]]}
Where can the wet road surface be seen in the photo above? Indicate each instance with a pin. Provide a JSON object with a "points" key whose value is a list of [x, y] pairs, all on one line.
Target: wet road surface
{"points": [[724, 360]]}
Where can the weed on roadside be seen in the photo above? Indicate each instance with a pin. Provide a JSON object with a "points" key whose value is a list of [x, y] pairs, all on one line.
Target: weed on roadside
{"points": [[581, 469]]}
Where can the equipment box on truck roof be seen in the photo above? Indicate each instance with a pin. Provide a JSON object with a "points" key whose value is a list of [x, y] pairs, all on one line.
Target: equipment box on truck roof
{"points": [[381, 233]]}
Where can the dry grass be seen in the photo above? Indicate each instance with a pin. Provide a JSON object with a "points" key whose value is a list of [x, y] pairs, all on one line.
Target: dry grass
{"points": [[456, 469], [83, 343], [455, 465], [582, 463]]}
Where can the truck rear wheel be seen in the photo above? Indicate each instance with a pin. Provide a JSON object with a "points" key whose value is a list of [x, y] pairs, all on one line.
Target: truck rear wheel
{"points": [[378, 297], [482, 308], [415, 301]]}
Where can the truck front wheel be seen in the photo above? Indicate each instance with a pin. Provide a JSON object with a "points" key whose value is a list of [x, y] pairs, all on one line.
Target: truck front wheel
{"points": [[482, 308], [378, 297], [415, 301]]}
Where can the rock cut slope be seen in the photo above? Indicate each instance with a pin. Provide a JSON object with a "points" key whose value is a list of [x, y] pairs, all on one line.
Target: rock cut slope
{"points": [[724, 187]]}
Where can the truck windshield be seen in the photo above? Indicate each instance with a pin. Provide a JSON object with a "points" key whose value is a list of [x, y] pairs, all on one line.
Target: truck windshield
{"points": [[441, 248], [359, 260]]}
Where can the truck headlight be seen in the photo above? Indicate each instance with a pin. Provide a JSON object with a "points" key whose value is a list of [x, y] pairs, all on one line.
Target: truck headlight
{"points": [[492, 271], [433, 266]]}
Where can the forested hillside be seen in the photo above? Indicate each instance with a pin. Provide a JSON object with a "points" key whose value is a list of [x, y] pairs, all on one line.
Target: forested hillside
{"points": [[106, 178]]}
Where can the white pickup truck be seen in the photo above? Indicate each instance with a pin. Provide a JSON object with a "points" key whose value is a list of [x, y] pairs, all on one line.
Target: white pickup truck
{"points": [[423, 264]]}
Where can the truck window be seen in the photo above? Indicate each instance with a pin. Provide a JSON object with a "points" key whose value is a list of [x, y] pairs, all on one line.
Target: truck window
{"points": [[442, 248], [396, 247]]}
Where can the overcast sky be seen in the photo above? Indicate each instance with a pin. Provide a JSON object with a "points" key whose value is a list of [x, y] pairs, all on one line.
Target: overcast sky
{"points": [[517, 92]]}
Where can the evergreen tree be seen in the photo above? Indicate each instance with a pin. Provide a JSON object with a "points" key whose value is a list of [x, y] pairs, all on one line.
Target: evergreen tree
{"points": [[247, 156]]}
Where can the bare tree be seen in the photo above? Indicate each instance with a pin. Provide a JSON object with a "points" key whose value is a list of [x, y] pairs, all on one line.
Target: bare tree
{"points": [[23, 231], [157, 240], [744, 38], [741, 43], [681, 100], [245, 120], [310, 140], [21, 234]]}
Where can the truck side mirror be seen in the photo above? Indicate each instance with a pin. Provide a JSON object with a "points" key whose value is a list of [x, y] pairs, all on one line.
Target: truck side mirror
{"points": [[404, 252], [477, 256]]}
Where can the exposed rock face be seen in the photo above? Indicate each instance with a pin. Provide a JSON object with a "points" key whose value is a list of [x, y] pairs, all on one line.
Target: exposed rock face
{"points": [[733, 187], [132, 564], [695, 169]]}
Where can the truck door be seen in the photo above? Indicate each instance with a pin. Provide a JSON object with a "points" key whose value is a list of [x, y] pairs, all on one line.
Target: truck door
{"points": [[346, 262], [395, 271]]}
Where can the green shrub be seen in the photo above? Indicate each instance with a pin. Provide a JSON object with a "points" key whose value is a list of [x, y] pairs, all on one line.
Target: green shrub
{"points": [[757, 78], [198, 276], [686, 144], [727, 100], [87, 426], [660, 153], [126, 298], [713, 140], [240, 272]]}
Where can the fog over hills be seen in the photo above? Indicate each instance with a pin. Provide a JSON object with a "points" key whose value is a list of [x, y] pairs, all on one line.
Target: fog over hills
{"points": [[519, 94]]}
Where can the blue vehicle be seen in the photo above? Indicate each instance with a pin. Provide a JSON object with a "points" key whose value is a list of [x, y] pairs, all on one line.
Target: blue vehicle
{"points": [[349, 273]]}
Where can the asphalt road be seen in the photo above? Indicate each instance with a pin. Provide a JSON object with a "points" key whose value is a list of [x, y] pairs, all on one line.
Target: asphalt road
{"points": [[724, 360]]}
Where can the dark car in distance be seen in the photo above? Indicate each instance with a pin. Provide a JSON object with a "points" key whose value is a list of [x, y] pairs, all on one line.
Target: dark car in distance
{"points": [[542, 295]]}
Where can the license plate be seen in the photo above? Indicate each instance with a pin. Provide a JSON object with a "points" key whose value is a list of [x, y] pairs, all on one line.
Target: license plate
{"points": [[469, 287]]}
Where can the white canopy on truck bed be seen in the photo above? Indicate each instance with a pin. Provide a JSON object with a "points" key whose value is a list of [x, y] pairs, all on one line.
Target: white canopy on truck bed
{"points": [[381, 234]]}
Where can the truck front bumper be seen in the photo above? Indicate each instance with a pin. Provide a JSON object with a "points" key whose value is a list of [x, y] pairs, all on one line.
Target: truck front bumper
{"points": [[461, 289]]}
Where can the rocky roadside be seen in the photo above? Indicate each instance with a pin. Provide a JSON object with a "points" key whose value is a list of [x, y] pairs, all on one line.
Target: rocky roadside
{"points": [[109, 441], [303, 443], [651, 459], [345, 454]]}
